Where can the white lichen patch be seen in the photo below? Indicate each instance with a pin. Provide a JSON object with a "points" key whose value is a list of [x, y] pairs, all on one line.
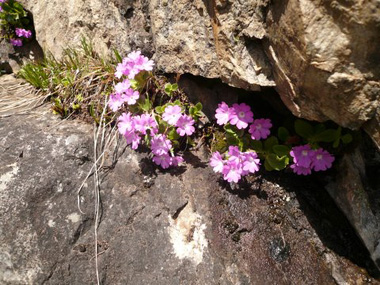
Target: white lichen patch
{"points": [[51, 223], [8, 176], [187, 235], [74, 217]]}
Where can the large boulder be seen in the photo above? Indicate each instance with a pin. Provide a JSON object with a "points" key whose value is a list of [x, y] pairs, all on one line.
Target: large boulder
{"points": [[181, 226], [325, 55], [197, 37]]}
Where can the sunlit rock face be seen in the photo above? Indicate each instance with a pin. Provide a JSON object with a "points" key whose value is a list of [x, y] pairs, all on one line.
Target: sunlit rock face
{"points": [[326, 60]]}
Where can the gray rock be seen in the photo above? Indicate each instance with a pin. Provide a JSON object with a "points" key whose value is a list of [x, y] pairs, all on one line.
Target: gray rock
{"points": [[181, 226], [356, 192]]}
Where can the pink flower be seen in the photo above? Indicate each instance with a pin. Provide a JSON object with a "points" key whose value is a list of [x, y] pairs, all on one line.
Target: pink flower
{"points": [[133, 64], [242, 115], [160, 145], [260, 129], [164, 160], [302, 155], [116, 101], [300, 170], [146, 122], [185, 125], [217, 162], [122, 87], [234, 154], [176, 160], [232, 171], [131, 96], [223, 114], [16, 42], [322, 160], [251, 162], [126, 123], [172, 114], [23, 33], [132, 138]]}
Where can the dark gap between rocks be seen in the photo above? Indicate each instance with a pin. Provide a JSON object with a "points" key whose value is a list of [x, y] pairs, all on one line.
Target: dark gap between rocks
{"points": [[323, 214]]}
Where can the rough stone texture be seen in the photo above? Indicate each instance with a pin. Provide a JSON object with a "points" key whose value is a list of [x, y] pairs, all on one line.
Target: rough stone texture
{"points": [[181, 226], [197, 37], [324, 53], [326, 60], [356, 192]]}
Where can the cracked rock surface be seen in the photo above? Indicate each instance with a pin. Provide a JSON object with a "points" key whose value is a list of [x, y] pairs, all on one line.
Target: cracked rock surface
{"points": [[181, 226]]}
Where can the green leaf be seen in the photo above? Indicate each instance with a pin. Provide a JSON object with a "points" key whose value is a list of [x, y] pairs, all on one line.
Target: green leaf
{"points": [[269, 143], [117, 55], [276, 162], [319, 128], [168, 89], [283, 133], [173, 135], [281, 150], [256, 145], [146, 105], [192, 111], [328, 135], [159, 109], [303, 128], [267, 166], [347, 138], [174, 87], [336, 143], [199, 106]]}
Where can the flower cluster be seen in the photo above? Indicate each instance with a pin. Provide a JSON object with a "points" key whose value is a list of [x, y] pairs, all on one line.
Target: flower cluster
{"points": [[241, 116], [152, 128], [133, 64], [235, 163], [13, 18], [23, 33], [306, 159]]}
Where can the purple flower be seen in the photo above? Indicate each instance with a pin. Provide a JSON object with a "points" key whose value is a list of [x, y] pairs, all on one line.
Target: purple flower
{"points": [[172, 114], [23, 33], [164, 160], [16, 42], [176, 160], [234, 153], [251, 162], [232, 171], [260, 129], [1, 8], [242, 115], [126, 123], [322, 160], [160, 145], [146, 122], [132, 138], [223, 114], [116, 101], [302, 155], [133, 64], [300, 170], [131, 96], [122, 87], [2, 1], [217, 162], [185, 125]]}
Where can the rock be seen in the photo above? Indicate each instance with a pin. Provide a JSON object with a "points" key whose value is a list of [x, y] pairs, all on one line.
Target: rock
{"points": [[181, 226], [194, 37], [356, 192], [325, 57]]}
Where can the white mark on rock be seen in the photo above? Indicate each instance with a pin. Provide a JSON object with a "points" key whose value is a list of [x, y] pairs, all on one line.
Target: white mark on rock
{"points": [[51, 223], [60, 187], [7, 177], [74, 217], [187, 235]]}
